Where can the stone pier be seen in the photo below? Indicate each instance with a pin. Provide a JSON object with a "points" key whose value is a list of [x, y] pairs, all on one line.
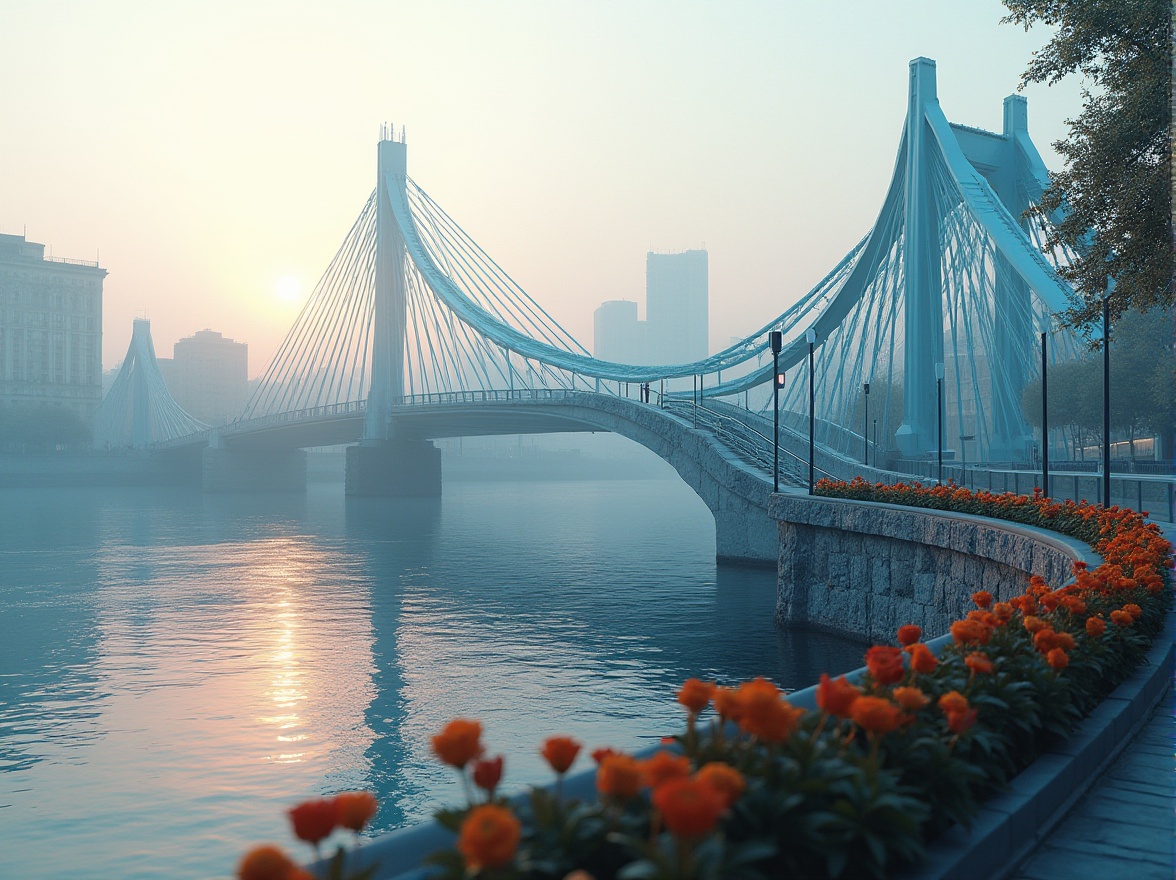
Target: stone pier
{"points": [[394, 468]]}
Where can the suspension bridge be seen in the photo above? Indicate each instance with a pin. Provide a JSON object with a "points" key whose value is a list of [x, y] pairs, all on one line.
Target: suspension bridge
{"points": [[928, 329]]}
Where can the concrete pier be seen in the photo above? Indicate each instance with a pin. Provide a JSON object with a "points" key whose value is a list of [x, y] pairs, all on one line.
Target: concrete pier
{"points": [[395, 469]]}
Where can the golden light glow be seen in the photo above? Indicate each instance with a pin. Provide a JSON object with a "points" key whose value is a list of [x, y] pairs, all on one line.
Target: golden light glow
{"points": [[288, 289]]}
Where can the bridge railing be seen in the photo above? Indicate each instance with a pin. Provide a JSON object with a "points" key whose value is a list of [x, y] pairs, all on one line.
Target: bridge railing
{"points": [[745, 440], [330, 410], [459, 397]]}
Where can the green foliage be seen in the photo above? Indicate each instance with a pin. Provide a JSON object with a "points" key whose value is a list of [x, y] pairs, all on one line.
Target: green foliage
{"points": [[1116, 184], [40, 426], [1143, 385]]}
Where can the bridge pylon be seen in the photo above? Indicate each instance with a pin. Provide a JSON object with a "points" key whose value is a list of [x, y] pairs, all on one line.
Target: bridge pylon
{"points": [[385, 464]]}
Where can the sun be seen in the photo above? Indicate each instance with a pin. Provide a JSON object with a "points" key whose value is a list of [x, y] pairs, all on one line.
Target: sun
{"points": [[288, 289]]}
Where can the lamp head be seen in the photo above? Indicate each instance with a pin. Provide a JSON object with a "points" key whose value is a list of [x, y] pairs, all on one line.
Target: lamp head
{"points": [[866, 387], [777, 341], [939, 370], [810, 335]]}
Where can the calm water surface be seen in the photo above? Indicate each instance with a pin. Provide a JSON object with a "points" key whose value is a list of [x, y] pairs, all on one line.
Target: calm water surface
{"points": [[177, 669]]}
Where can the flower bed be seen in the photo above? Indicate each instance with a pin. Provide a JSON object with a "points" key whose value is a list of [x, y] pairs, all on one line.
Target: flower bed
{"points": [[757, 787]]}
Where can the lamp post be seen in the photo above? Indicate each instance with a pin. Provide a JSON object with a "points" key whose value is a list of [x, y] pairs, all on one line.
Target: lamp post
{"points": [[810, 336], [1044, 422], [777, 342], [1106, 304], [939, 414], [875, 442], [866, 427]]}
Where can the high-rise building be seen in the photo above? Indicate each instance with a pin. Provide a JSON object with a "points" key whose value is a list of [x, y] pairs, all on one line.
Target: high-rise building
{"points": [[50, 328], [209, 376], [676, 307], [617, 334]]}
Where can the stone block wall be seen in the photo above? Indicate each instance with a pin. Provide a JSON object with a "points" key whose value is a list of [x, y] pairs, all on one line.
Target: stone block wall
{"points": [[864, 569]]}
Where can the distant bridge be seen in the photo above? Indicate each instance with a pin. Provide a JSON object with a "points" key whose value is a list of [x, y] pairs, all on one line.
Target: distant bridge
{"points": [[415, 333]]}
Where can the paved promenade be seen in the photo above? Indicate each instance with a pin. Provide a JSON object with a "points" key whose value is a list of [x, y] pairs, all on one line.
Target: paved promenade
{"points": [[1126, 825]]}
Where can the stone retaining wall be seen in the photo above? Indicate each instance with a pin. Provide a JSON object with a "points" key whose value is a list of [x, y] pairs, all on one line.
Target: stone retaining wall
{"points": [[864, 569]]}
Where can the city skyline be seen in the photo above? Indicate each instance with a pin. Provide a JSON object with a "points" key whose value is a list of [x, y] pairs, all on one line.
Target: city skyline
{"points": [[215, 176]]}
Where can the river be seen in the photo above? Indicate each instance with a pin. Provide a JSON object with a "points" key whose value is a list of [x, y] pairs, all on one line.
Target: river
{"points": [[177, 669]]}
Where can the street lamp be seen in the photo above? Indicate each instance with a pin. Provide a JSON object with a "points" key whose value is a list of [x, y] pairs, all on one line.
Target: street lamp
{"points": [[939, 414], [810, 336], [1044, 422], [777, 342], [866, 427], [1106, 304]]}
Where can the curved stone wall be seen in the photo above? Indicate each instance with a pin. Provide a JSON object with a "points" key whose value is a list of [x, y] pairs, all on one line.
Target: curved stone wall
{"points": [[862, 568]]}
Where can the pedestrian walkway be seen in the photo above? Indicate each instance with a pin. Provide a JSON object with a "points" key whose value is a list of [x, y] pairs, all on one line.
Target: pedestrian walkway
{"points": [[1126, 825]]}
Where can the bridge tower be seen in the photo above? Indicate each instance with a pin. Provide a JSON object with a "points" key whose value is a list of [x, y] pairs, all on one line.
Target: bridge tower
{"points": [[385, 463], [1003, 160], [923, 314]]}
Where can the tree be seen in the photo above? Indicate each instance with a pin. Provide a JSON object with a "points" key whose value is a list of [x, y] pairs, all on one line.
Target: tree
{"points": [[1143, 386], [1116, 183], [41, 426]]}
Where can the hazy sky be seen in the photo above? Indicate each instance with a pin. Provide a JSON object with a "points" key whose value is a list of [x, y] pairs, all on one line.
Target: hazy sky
{"points": [[209, 150]]}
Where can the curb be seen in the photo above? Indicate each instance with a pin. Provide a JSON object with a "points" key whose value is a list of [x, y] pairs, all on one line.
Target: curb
{"points": [[1010, 826]]}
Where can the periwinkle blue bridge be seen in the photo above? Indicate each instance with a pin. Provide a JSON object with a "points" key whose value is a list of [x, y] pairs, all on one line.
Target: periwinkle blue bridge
{"points": [[415, 333]]}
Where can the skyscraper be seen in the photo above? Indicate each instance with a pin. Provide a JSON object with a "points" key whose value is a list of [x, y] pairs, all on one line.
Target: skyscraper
{"points": [[617, 335], [209, 376], [50, 328], [676, 307]]}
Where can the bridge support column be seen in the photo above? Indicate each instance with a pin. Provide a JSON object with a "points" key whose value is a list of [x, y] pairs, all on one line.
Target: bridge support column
{"points": [[253, 470], [394, 468]]}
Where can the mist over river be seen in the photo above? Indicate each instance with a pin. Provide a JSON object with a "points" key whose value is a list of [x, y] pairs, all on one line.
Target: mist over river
{"points": [[177, 669]]}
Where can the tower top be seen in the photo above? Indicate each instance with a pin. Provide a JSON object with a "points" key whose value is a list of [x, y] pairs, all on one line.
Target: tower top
{"points": [[388, 132]]}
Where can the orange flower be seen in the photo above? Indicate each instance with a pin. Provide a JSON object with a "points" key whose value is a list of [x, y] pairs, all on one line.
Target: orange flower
{"points": [[489, 837], [618, 776], [958, 722], [910, 698], [1044, 640], [354, 809], [1064, 640], [982, 598], [835, 697], [1134, 610], [979, 663], [922, 660], [696, 695], [885, 664], [313, 820], [459, 742], [1058, 659], [265, 863], [1121, 618], [970, 632], [664, 766], [1003, 611], [598, 755], [909, 634], [1034, 624], [689, 807], [488, 773], [953, 701], [1074, 605], [560, 752], [877, 715], [724, 779], [766, 715], [1095, 627], [727, 703]]}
